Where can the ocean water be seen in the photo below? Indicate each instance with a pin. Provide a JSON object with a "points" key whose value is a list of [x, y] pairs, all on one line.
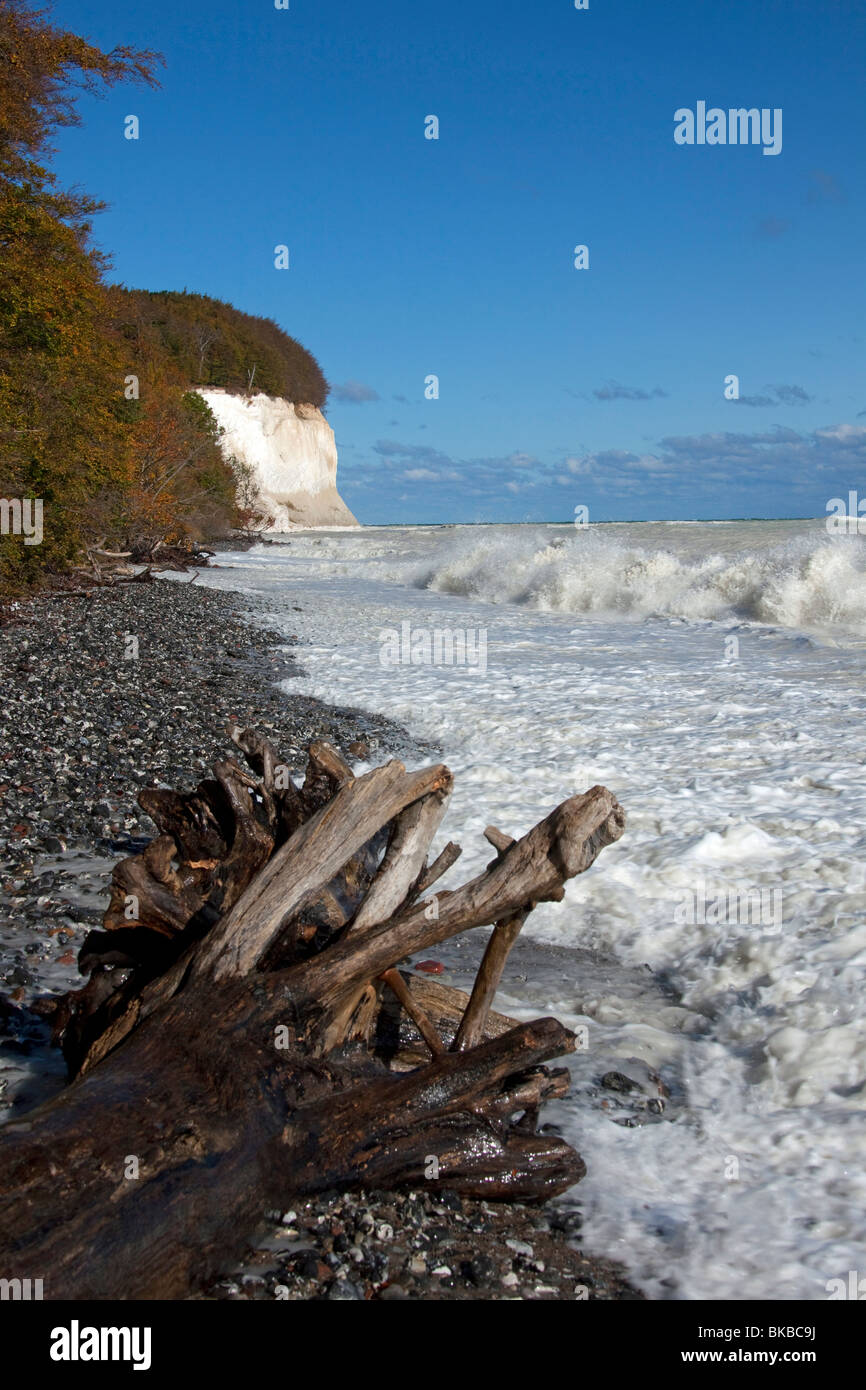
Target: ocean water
{"points": [[712, 675]]}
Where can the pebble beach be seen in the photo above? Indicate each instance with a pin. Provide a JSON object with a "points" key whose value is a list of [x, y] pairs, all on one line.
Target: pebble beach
{"points": [[111, 691]]}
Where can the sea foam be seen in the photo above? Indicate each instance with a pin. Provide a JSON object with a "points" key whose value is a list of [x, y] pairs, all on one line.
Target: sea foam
{"points": [[809, 582]]}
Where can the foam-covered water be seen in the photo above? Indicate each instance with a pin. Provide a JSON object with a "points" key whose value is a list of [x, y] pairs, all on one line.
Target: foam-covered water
{"points": [[804, 582], [711, 676], [789, 574]]}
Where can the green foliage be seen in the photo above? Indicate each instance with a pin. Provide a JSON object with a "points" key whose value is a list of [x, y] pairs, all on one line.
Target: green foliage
{"points": [[61, 432], [128, 472], [43, 68], [211, 343]]}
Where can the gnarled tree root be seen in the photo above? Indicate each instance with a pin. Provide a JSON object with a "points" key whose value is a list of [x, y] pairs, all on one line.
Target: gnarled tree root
{"points": [[246, 1037]]}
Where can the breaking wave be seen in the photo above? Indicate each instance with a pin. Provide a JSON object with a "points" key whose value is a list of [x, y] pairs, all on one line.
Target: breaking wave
{"points": [[808, 583]]}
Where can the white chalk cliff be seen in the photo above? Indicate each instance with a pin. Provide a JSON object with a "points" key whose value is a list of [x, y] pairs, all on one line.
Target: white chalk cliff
{"points": [[292, 453]]}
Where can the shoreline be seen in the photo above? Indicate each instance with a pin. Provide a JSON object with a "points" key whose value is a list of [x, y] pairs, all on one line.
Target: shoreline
{"points": [[129, 687]]}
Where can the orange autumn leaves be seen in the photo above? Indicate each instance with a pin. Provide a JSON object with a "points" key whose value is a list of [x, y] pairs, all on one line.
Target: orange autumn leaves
{"points": [[113, 462], [63, 436]]}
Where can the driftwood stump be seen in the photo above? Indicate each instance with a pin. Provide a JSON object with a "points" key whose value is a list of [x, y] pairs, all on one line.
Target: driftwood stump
{"points": [[246, 1037]]}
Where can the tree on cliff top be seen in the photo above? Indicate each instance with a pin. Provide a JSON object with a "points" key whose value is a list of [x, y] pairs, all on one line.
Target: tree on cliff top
{"points": [[212, 343]]}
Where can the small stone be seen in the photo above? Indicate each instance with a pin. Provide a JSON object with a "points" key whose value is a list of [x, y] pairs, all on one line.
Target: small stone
{"points": [[343, 1291], [618, 1081], [19, 976], [566, 1221], [377, 1267], [417, 1265], [521, 1247], [384, 1232], [481, 1271], [451, 1201], [393, 1292], [431, 967], [509, 1280], [442, 1271]]}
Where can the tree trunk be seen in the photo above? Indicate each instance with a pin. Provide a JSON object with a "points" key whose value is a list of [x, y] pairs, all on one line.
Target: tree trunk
{"points": [[245, 1037]]}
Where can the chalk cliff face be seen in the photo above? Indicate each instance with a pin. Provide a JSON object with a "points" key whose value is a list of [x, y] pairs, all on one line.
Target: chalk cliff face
{"points": [[292, 453]]}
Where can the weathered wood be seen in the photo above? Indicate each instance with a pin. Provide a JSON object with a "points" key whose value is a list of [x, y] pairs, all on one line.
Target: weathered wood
{"points": [[445, 1006], [259, 752], [247, 1038], [498, 839], [404, 859], [302, 867], [502, 938], [394, 980], [533, 870], [434, 1111], [327, 771], [441, 864], [413, 829]]}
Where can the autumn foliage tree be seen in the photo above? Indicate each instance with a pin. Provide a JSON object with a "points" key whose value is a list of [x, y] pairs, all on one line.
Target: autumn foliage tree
{"points": [[110, 464], [62, 428], [211, 343], [176, 484]]}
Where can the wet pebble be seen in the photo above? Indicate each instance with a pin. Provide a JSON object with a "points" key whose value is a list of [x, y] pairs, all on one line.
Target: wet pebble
{"points": [[519, 1244]]}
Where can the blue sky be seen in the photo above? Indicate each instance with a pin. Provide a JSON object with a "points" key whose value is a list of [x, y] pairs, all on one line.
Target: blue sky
{"points": [[409, 257]]}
